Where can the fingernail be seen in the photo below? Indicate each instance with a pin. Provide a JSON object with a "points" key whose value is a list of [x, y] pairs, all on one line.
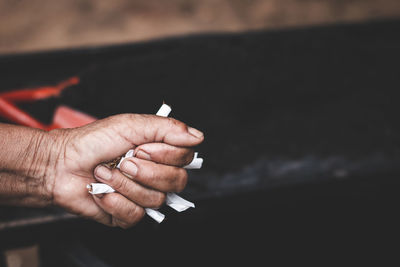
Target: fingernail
{"points": [[99, 195], [196, 133], [129, 167], [143, 155], [103, 173]]}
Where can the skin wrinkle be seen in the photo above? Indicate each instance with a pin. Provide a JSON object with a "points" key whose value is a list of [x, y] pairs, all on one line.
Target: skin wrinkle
{"points": [[133, 212], [48, 154], [73, 149], [122, 184], [107, 219], [114, 222], [29, 158], [59, 147], [126, 139], [132, 190], [166, 153], [30, 201], [146, 136], [29, 180], [24, 158], [16, 187], [127, 131], [122, 134], [36, 170], [55, 167], [170, 126], [152, 177], [8, 183]]}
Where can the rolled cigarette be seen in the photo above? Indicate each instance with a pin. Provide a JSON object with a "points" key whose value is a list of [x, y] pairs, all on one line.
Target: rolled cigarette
{"points": [[99, 188]]}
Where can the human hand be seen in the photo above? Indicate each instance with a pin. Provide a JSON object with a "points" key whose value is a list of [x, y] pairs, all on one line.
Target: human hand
{"points": [[162, 147]]}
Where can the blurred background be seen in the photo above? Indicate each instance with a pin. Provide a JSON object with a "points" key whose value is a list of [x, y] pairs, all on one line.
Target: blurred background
{"points": [[32, 25]]}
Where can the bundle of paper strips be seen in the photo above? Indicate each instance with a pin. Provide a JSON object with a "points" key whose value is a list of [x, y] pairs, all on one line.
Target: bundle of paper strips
{"points": [[173, 200]]}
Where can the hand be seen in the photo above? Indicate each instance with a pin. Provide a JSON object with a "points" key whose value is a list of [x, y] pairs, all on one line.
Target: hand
{"points": [[163, 146]]}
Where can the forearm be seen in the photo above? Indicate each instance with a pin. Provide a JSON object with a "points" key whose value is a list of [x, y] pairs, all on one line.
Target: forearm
{"points": [[25, 160]]}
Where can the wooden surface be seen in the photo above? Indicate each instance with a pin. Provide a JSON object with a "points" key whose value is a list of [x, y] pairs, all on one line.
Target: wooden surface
{"points": [[31, 25]]}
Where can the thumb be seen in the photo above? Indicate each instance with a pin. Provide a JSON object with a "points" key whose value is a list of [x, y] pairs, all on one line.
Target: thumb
{"points": [[140, 129], [117, 134], [106, 139]]}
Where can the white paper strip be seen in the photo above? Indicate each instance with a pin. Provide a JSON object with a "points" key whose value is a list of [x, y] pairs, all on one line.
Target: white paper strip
{"points": [[173, 200], [155, 214], [99, 188], [177, 203], [164, 110], [128, 154]]}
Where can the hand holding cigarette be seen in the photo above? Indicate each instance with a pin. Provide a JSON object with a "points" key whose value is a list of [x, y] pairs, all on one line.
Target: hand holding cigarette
{"points": [[172, 200], [162, 147]]}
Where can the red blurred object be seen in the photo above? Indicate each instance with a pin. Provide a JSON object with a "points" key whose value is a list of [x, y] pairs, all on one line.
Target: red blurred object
{"points": [[12, 113], [64, 116]]}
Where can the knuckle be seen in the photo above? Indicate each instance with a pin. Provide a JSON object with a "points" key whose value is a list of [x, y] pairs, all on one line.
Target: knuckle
{"points": [[112, 203], [122, 215], [116, 119], [135, 214], [151, 175], [158, 199], [114, 222], [122, 224], [120, 182], [125, 225], [178, 125], [181, 180]]}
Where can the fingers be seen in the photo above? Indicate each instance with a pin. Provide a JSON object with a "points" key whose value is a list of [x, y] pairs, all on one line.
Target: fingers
{"points": [[144, 197], [140, 129], [106, 139], [124, 212], [158, 176], [165, 154]]}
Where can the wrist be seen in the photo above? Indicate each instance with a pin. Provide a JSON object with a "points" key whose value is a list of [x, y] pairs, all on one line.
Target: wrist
{"points": [[40, 164], [29, 156]]}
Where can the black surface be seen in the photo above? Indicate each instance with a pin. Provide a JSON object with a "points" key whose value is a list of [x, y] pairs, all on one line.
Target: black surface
{"points": [[301, 128]]}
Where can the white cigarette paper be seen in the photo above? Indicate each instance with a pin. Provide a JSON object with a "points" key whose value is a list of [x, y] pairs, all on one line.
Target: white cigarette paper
{"points": [[164, 110], [173, 200], [99, 188], [177, 203], [128, 154], [155, 214]]}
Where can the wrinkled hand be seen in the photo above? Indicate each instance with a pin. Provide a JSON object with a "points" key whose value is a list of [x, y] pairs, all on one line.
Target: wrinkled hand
{"points": [[162, 147]]}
